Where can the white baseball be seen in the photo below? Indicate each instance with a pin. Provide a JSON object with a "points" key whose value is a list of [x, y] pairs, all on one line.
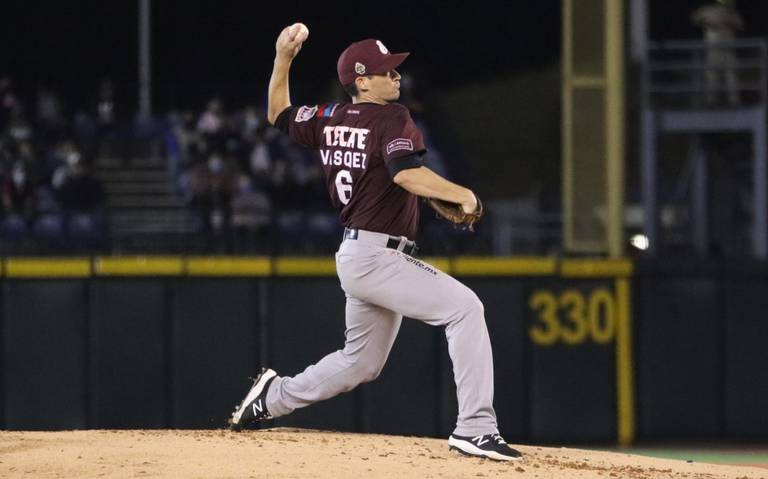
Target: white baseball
{"points": [[299, 31]]}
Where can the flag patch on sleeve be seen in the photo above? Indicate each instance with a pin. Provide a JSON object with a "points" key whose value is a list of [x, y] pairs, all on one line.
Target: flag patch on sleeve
{"points": [[399, 144], [327, 109]]}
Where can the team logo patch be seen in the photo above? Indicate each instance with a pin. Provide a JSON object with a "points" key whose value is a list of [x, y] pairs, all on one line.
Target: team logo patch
{"points": [[305, 113], [359, 68], [399, 144], [382, 48]]}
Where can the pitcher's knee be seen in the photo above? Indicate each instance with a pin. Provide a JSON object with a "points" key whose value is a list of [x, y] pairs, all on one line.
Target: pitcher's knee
{"points": [[363, 371], [469, 308], [476, 306], [368, 372], [472, 306]]}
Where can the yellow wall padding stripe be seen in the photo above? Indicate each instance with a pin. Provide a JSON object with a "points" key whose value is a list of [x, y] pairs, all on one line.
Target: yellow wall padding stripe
{"points": [[625, 371], [260, 266], [503, 266], [289, 266], [139, 266], [595, 268], [229, 266], [48, 267]]}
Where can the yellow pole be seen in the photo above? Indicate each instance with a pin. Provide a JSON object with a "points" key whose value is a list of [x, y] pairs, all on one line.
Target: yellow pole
{"points": [[625, 382], [567, 126], [614, 114]]}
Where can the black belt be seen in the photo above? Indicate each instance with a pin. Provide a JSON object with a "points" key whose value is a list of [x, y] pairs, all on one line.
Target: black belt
{"points": [[408, 247]]}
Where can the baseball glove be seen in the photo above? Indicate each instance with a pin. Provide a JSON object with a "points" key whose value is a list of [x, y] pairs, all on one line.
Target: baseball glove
{"points": [[454, 213]]}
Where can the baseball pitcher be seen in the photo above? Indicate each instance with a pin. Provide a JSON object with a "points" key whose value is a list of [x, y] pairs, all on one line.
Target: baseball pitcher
{"points": [[372, 155]]}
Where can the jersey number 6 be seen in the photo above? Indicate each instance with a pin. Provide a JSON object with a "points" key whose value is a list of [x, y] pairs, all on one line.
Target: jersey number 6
{"points": [[344, 186]]}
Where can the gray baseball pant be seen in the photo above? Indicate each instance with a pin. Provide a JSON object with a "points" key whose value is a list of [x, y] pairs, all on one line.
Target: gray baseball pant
{"points": [[382, 285]]}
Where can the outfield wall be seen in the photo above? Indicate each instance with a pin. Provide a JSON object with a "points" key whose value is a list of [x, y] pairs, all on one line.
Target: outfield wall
{"points": [[585, 351]]}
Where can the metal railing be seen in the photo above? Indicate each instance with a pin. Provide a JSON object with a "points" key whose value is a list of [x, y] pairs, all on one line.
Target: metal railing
{"points": [[700, 74]]}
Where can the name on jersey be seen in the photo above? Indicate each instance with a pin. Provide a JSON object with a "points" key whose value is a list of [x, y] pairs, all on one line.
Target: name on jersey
{"points": [[348, 159], [346, 137]]}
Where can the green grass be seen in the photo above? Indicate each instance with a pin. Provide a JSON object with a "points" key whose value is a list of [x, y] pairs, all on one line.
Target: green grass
{"points": [[714, 456]]}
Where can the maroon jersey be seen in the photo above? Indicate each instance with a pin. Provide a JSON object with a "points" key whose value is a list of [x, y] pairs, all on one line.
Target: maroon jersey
{"points": [[360, 146]]}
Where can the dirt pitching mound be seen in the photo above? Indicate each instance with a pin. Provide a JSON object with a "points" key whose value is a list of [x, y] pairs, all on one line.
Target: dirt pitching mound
{"points": [[294, 453]]}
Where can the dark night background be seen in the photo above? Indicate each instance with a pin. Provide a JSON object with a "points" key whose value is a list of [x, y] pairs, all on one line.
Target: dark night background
{"points": [[487, 72], [203, 47]]}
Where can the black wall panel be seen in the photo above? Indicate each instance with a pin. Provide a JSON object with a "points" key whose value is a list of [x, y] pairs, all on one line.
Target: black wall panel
{"points": [[306, 321], [45, 352], [214, 348], [572, 389], [448, 404], [128, 361], [746, 358], [177, 352], [404, 398], [678, 358], [572, 396], [504, 302]]}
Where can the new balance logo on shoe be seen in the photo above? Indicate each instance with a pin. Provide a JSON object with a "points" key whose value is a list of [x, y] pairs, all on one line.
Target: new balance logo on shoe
{"points": [[480, 440], [254, 406], [491, 446]]}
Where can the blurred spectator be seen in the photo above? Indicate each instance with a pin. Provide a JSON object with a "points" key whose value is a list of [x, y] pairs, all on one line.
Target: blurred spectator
{"points": [[49, 222], [260, 163], [85, 128], [19, 128], [26, 153], [251, 209], [250, 124], [211, 122], [233, 169], [77, 190], [22, 156], [211, 184], [105, 105], [720, 21], [50, 118], [48, 108], [57, 158], [297, 178], [183, 124], [188, 141], [18, 196], [82, 199], [211, 126], [8, 100]]}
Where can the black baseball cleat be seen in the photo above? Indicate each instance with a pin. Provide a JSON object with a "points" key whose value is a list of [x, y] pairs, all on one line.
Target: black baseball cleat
{"points": [[492, 446], [254, 406]]}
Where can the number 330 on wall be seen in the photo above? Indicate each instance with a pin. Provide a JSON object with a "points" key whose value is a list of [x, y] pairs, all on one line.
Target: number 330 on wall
{"points": [[572, 317]]}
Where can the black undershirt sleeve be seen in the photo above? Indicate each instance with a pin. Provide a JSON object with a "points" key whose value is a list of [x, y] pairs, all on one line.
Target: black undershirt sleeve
{"points": [[397, 165], [281, 122]]}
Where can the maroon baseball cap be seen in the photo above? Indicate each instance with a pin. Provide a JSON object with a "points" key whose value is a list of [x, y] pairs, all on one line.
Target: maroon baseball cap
{"points": [[366, 57]]}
